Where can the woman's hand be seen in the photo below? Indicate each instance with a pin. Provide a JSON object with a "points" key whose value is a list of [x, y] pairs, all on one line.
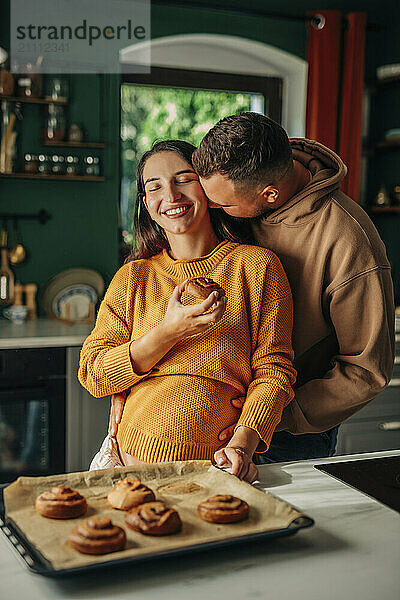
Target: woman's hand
{"points": [[117, 408], [237, 455], [239, 462], [184, 321]]}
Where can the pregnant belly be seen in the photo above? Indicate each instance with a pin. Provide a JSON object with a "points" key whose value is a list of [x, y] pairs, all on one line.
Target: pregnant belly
{"points": [[180, 408]]}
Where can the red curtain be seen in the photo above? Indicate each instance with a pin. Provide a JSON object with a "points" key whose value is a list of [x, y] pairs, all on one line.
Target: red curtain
{"points": [[323, 57], [335, 87], [351, 102]]}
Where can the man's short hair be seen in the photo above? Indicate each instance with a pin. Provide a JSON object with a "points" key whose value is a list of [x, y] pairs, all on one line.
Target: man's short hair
{"points": [[249, 148]]}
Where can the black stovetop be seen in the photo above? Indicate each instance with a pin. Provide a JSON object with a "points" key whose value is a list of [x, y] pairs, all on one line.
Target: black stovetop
{"points": [[376, 477]]}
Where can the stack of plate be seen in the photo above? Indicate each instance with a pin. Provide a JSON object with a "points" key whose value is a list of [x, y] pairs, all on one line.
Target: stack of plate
{"points": [[70, 293]]}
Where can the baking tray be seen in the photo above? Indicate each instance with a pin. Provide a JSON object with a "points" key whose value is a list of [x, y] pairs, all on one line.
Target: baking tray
{"points": [[37, 563]]}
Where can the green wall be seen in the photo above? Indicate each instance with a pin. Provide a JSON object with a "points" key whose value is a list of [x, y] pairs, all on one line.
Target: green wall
{"points": [[84, 226]]}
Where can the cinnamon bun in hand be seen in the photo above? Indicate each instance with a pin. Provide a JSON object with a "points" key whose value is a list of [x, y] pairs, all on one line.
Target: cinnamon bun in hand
{"points": [[97, 535], [128, 493], [154, 518], [223, 508], [201, 287], [61, 503]]}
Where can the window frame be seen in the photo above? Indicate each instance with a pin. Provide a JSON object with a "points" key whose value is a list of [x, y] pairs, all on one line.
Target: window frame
{"points": [[270, 87]]}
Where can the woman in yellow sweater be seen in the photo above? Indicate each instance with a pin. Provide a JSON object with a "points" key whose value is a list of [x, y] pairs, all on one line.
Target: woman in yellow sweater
{"points": [[185, 361]]}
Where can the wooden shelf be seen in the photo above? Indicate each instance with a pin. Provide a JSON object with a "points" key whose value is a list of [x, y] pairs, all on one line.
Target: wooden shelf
{"points": [[75, 144], [388, 144], [32, 100], [374, 85], [386, 80], [385, 209], [381, 146], [51, 177]]}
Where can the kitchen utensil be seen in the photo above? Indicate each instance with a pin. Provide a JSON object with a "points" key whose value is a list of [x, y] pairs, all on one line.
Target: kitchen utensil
{"points": [[17, 254], [58, 286], [6, 275]]}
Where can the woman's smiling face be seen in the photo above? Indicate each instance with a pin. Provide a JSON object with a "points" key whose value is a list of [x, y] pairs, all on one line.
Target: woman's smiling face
{"points": [[174, 196]]}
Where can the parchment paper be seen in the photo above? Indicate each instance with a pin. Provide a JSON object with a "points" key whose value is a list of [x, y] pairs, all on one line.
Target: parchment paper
{"points": [[181, 485]]}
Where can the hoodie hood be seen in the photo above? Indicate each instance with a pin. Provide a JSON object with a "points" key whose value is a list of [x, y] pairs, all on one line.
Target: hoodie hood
{"points": [[327, 171]]}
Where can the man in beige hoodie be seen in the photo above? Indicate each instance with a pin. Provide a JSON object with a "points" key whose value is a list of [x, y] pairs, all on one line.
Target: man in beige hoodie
{"points": [[336, 263], [343, 335]]}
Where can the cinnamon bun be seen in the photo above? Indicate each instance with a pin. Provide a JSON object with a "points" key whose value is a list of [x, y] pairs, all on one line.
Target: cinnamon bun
{"points": [[61, 503], [129, 492], [97, 535], [201, 287], [153, 518], [223, 508]]}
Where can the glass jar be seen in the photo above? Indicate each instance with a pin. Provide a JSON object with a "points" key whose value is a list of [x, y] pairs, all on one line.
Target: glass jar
{"points": [[9, 120], [56, 89], [382, 197], [92, 166], [30, 83], [44, 164], [72, 167], [30, 163], [57, 165], [7, 82], [54, 129]]}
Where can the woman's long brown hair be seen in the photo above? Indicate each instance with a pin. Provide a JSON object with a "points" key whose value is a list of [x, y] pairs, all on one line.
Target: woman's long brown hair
{"points": [[150, 238]]}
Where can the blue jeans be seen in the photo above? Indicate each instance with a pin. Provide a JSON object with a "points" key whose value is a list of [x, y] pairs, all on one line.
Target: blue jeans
{"points": [[287, 447]]}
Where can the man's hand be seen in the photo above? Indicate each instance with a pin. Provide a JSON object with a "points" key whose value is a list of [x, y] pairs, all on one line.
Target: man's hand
{"points": [[117, 408], [227, 433]]}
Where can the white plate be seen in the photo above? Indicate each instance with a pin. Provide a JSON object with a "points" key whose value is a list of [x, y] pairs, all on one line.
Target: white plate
{"points": [[77, 298], [88, 281]]}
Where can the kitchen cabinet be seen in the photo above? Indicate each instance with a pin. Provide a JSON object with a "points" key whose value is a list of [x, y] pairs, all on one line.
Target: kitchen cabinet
{"points": [[377, 426], [87, 418]]}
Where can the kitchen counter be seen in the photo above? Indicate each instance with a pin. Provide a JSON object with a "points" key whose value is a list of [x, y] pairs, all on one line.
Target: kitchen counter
{"points": [[42, 333], [353, 550]]}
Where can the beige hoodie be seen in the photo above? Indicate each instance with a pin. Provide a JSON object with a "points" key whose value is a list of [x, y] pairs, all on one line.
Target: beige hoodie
{"points": [[343, 335]]}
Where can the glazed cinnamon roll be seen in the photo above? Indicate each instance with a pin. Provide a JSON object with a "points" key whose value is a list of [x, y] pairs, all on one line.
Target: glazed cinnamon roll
{"points": [[97, 535], [223, 509], [128, 493], [153, 518], [61, 503], [201, 287]]}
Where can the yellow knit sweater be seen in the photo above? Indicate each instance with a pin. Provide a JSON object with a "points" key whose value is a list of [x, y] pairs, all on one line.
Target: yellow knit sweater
{"points": [[177, 410]]}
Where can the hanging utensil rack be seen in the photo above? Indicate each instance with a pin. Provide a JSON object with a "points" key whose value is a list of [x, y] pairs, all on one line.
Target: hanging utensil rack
{"points": [[42, 216]]}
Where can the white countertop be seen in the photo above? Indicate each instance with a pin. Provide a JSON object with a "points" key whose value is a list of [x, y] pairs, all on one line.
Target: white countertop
{"points": [[352, 551], [41, 333]]}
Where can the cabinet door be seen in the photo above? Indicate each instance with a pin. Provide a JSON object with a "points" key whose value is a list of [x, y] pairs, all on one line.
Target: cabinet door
{"points": [[369, 436], [87, 418]]}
